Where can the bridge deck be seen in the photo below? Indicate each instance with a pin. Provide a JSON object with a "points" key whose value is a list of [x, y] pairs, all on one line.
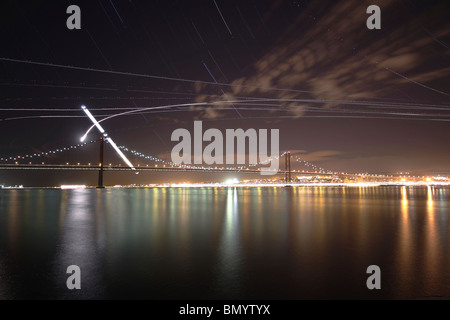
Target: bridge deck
{"points": [[154, 169]]}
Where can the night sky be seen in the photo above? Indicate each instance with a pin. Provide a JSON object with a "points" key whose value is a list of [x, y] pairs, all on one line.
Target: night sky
{"points": [[344, 97]]}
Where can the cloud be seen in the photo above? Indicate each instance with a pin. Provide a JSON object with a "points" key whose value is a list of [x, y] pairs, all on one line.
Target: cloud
{"points": [[319, 156], [338, 57]]}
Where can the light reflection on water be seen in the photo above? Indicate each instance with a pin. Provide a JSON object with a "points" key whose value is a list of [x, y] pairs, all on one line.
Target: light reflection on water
{"points": [[255, 243]]}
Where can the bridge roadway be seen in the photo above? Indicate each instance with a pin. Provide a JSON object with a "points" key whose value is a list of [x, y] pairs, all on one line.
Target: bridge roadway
{"points": [[139, 169]]}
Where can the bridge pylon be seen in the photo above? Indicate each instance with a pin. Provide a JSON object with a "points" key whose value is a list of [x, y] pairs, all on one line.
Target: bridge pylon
{"points": [[287, 163], [100, 184]]}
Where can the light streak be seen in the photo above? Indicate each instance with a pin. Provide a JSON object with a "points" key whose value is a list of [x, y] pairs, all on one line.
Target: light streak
{"points": [[239, 114], [111, 142], [147, 75], [89, 114], [416, 82], [117, 12], [220, 12], [260, 100], [191, 80]]}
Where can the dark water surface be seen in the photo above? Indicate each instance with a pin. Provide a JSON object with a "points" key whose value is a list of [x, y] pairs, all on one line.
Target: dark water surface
{"points": [[226, 243]]}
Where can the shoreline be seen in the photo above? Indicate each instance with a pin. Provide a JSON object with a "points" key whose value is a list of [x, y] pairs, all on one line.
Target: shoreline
{"points": [[237, 185]]}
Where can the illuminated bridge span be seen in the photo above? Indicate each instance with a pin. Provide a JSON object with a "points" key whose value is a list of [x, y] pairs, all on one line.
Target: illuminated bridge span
{"points": [[148, 168], [168, 167]]}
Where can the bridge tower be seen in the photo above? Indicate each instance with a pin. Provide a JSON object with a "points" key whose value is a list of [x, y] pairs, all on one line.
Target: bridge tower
{"points": [[289, 166], [101, 162], [287, 163]]}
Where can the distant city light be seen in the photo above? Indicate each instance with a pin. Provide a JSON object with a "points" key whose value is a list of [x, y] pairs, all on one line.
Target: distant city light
{"points": [[232, 181], [72, 187]]}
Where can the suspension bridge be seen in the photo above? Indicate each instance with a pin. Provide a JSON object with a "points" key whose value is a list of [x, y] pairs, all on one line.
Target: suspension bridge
{"points": [[25, 162], [33, 162], [101, 168]]}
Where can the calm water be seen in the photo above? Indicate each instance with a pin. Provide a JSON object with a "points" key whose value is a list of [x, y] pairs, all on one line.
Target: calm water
{"points": [[214, 243]]}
